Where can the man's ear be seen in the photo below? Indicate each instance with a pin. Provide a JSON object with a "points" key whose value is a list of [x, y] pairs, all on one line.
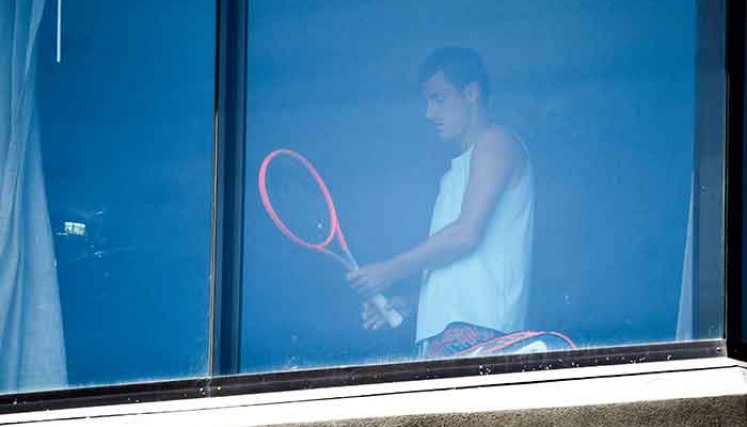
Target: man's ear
{"points": [[472, 92]]}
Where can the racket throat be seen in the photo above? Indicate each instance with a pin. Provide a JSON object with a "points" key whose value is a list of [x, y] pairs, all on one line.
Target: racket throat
{"points": [[350, 260], [346, 261]]}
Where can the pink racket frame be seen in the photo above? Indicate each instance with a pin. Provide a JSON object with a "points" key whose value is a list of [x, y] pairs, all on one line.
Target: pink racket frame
{"points": [[334, 227]]}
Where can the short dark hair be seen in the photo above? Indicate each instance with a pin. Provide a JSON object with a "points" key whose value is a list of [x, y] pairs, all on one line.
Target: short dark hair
{"points": [[460, 66]]}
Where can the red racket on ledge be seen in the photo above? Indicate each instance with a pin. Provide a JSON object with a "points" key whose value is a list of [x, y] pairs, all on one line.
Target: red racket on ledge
{"points": [[306, 204]]}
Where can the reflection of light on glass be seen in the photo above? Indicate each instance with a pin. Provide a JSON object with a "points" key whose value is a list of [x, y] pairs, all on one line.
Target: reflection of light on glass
{"points": [[74, 228], [59, 31]]}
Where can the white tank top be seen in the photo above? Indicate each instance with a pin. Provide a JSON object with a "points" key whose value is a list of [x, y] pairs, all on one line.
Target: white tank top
{"points": [[489, 287]]}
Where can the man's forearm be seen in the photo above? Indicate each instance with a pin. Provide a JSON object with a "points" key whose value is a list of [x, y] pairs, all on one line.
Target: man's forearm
{"points": [[448, 245]]}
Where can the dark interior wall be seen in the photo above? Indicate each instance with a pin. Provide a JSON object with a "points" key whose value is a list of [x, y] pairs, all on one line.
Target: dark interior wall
{"points": [[126, 123]]}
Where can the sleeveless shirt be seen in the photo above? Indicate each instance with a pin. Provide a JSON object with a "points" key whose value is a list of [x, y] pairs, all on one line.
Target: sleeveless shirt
{"points": [[489, 287]]}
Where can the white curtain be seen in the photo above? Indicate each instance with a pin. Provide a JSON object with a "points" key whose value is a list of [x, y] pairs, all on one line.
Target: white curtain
{"points": [[685, 313], [32, 354]]}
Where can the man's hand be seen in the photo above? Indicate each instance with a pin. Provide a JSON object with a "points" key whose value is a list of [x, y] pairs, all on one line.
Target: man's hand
{"points": [[373, 279], [372, 318]]}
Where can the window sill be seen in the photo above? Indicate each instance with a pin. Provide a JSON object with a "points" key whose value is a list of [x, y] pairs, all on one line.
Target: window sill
{"points": [[525, 392]]}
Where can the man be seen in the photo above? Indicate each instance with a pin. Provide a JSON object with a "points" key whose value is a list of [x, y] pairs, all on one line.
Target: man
{"points": [[476, 261]]}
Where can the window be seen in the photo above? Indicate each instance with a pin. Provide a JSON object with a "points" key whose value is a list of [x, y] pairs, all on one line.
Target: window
{"points": [[360, 192], [589, 236]]}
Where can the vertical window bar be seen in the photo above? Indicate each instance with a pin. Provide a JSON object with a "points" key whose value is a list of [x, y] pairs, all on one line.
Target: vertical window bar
{"points": [[229, 232]]}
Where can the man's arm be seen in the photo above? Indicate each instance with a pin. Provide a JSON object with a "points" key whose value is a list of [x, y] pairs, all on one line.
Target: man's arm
{"points": [[495, 159]]}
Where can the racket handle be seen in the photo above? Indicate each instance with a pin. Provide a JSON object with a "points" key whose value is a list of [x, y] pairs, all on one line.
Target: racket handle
{"points": [[392, 316]]}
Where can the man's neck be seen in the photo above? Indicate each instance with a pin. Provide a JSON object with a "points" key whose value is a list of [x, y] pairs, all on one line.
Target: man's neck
{"points": [[480, 123]]}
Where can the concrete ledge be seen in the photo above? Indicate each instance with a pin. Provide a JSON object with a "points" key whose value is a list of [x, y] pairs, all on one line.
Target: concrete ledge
{"points": [[726, 411]]}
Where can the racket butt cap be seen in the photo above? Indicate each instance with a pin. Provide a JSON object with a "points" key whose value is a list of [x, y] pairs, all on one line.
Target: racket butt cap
{"points": [[392, 316]]}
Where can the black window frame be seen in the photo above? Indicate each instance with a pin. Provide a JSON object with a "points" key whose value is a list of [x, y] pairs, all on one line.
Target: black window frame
{"points": [[224, 376], [734, 164]]}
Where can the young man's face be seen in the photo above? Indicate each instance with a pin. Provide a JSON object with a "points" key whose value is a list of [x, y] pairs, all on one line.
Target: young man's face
{"points": [[447, 107]]}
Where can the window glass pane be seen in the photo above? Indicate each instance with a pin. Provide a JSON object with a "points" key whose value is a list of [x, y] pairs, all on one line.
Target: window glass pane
{"points": [[497, 170], [106, 174]]}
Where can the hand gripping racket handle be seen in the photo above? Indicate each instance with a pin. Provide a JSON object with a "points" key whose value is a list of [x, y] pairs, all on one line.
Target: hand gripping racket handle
{"points": [[392, 316]]}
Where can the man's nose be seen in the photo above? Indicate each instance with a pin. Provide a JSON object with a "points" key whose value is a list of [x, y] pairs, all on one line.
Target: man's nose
{"points": [[430, 112]]}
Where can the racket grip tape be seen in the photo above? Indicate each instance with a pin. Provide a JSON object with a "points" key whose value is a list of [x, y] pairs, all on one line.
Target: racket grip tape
{"points": [[392, 316]]}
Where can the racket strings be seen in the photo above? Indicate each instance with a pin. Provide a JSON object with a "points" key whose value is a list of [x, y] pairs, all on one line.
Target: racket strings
{"points": [[299, 203], [296, 203]]}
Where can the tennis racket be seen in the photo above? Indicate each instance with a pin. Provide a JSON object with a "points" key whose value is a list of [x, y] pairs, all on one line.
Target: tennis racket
{"points": [[315, 224]]}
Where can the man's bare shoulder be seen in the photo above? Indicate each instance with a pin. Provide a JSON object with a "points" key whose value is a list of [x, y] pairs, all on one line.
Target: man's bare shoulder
{"points": [[502, 141]]}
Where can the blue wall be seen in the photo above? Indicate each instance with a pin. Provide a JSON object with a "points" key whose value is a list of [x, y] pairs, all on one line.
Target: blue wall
{"points": [[603, 94]]}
